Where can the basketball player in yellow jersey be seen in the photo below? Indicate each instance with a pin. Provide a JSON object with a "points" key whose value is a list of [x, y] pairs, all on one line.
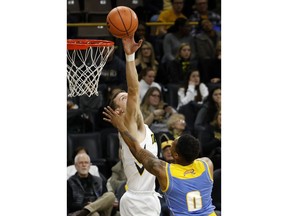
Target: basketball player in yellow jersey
{"points": [[187, 184], [140, 199]]}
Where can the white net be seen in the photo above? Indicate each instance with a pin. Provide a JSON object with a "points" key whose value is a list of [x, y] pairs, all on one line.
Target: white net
{"points": [[84, 68]]}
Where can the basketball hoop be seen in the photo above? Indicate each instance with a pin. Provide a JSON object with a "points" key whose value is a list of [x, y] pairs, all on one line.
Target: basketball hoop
{"points": [[85, 61]]}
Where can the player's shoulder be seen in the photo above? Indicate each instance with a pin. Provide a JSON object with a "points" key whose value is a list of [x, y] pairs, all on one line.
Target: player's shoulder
{"points": [[209, 163], [205, 159]]}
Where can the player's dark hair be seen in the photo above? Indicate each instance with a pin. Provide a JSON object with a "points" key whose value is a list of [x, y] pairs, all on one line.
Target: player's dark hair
{"points": [[112, 104], [188, 147]]}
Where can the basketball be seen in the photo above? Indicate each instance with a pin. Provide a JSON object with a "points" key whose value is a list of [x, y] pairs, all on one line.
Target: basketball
{"points": [[122, 22]]}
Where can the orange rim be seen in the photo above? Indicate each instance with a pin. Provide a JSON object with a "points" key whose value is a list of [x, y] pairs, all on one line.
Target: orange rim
{"points": [[81, 44]]}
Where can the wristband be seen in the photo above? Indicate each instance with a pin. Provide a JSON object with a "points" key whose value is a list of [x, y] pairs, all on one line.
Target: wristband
{"points": [[130, 57]]}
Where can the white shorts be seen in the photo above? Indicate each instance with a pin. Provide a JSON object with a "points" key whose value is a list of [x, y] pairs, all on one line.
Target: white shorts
{"points": [[140, 204]]}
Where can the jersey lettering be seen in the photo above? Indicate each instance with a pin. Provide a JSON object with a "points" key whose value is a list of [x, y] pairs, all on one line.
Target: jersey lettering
{"points": [[153, 138]]}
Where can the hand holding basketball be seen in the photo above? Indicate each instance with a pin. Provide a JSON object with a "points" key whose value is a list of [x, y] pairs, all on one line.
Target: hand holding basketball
{"points": [[122, 22]]}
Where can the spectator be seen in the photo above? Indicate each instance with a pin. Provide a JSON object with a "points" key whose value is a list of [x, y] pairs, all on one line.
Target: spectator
{"points": [[208, 110], [147, 77], [213, 71], [146, 58], [178, 33], [116, 180], [142, 32], [118, 176], [170, 15], [86, 194], [210, 139], [166, 144], [71, 170], [113, 72], [193, 89], [177, 69], [154, 110], [207, 45], [206, 41], [177, 125], [201, 12]]}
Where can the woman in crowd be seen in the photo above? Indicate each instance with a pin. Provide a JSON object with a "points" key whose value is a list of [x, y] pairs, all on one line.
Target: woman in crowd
{"points": [[147, 77], [178, 68], [177, 125], [146, 58], [193, 89], [155, 111], [208, 110]]}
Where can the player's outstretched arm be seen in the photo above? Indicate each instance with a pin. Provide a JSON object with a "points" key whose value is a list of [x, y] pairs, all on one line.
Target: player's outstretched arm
{"points": [[130, 48], [151, 163], [133, 105]]}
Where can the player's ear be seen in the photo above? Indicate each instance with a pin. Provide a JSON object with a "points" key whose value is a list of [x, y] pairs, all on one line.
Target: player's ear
{"points": [[175, 155]]}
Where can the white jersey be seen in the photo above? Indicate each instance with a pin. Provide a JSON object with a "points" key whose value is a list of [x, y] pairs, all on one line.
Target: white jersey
{"points": [[138, 178]]}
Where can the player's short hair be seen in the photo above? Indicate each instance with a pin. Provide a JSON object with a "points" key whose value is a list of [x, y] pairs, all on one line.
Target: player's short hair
{"points": [[188, 147], [112, 103]]}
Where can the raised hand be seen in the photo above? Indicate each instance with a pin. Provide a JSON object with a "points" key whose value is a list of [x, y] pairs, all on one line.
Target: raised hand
{"points": [[114, 118], [130, 46]]}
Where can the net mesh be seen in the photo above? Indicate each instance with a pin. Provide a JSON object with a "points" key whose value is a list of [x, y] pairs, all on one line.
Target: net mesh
{"points": [[84, 68]]}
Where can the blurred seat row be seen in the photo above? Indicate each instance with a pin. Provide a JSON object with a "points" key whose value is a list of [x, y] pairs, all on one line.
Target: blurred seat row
{"points": [[94, 11], [97, 10]]}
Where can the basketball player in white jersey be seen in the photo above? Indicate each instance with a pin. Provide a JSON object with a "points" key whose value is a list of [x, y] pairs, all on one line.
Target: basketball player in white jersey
{"points": [[140, 198]]}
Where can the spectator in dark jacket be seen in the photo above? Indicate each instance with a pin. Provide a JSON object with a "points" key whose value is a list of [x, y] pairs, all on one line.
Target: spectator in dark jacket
{"points": [[178, 68], [86, 194], [114, 71], [201, 12], [210, 140], [208, 111]]}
